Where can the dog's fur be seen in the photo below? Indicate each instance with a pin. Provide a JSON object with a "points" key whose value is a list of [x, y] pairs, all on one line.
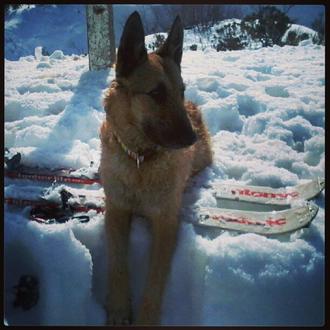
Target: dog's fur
{"points": [[145, 108]]}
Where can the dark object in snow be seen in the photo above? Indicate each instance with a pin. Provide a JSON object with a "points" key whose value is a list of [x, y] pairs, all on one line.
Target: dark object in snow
{"points": [[51, 215], [81, 218], [65, 196], [193, 47], [13, 162], [26, 292], [57, 214]]}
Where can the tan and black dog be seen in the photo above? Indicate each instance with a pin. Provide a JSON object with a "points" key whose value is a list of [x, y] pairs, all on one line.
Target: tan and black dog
{"points": [[152, 142]]}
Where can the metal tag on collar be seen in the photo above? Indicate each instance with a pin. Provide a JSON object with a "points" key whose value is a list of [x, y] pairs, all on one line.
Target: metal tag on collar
{"points": [[139, 160]]}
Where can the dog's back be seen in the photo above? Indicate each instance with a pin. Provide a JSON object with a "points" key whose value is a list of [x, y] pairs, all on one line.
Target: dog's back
{"points": [[152, 142]]}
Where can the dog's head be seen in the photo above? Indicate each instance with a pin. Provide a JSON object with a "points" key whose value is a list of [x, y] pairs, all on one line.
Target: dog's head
{"points": [[153, 85]]}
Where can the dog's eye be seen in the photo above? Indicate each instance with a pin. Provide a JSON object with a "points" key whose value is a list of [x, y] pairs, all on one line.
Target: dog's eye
{"points": [[158, 93]]}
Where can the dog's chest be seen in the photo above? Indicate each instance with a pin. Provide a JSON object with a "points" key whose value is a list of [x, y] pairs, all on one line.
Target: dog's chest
{"points": [[148, 186], [149, 175]]}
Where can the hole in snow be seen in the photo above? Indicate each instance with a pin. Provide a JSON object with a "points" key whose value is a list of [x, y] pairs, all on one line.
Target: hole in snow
{"points": [[277, 91], [38, 88], [207, 84], [223, 93], [306, 99], [257, 77], [238, 87], [266, 69], [231, 58], [248, 106], [56, 107], [219, 118]]}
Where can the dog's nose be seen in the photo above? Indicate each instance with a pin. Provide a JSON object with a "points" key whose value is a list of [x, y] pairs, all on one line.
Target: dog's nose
{"points": [[184, 138]]}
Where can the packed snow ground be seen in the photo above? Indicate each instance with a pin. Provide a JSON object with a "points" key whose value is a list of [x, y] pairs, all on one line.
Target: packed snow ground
{"points": [[265, 111]]}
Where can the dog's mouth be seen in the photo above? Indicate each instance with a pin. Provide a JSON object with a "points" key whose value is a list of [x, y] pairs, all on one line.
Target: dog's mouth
{"points": [[174, 137]]}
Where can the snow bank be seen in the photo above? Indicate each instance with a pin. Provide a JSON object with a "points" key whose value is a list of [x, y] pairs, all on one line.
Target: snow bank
{"points": [[265, 111], [54, 110]]}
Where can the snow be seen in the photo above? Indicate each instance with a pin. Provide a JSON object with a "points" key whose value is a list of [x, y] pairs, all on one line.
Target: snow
{"points": [[265, 112]]}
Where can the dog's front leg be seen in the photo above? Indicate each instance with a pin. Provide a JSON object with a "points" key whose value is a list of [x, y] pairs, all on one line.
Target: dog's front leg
{"points": [[117, 223], [164, 233]]}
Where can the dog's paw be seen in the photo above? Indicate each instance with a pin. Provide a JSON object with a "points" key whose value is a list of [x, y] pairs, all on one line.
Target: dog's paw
{"points": [[119, 311], [119, 317]]}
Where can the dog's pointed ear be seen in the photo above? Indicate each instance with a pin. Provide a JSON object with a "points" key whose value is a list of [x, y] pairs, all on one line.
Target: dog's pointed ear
{"points": [[131, 50], [172, 46]]}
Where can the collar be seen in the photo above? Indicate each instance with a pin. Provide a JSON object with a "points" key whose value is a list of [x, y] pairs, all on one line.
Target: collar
{"points": [[139, 158]]}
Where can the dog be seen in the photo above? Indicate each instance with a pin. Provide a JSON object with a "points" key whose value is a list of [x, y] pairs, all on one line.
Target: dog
{"points": [[152, 142]]}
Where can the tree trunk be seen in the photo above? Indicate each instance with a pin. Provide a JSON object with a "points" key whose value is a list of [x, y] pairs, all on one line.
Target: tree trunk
{"points": [[101, 36]]}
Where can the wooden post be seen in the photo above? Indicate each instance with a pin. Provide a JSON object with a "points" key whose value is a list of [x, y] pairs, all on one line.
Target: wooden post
{"points": [[101, 36]]}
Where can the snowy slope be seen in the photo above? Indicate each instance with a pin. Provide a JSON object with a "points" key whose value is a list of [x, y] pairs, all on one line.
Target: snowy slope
{"points": [[265, 111]]}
